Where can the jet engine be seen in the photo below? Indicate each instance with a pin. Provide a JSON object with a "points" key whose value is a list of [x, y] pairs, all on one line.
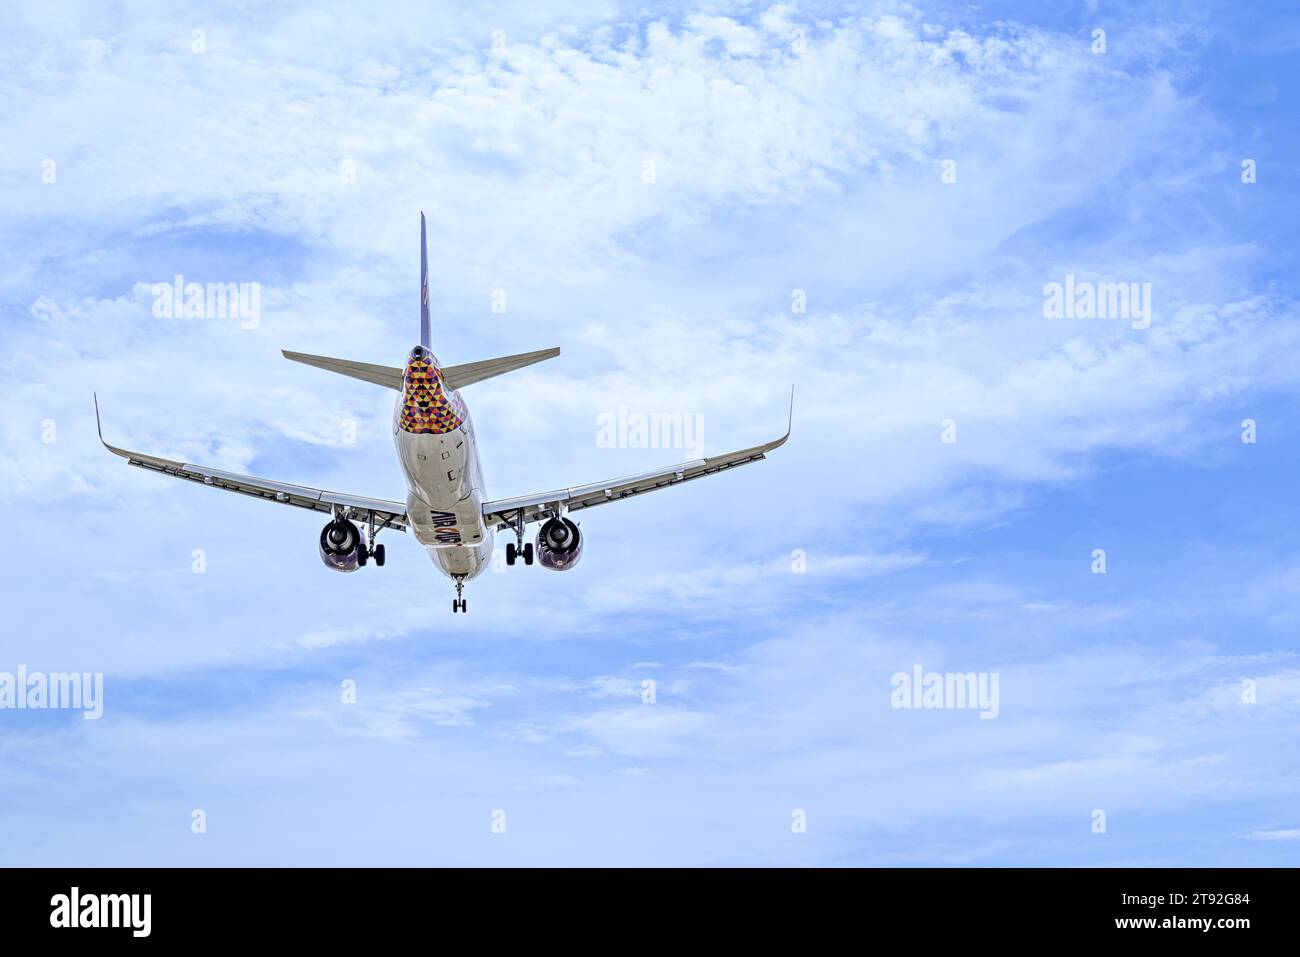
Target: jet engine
{"points": [[340, 546], [559, 545]]}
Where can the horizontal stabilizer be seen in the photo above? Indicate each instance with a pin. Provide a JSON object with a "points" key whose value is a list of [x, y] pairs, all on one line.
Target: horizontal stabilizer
{"points": [[389, 376], [457, 377]]}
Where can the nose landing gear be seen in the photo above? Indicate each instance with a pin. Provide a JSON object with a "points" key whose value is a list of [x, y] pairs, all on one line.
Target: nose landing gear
{"points": [[458, 603]]}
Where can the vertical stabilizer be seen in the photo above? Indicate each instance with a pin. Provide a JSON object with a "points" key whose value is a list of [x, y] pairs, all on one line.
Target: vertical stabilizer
{"points": [[424, 288]]}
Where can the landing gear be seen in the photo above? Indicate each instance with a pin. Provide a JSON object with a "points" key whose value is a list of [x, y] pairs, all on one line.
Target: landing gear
{"points": [[369, 549], [513, 550], [458, 603]]}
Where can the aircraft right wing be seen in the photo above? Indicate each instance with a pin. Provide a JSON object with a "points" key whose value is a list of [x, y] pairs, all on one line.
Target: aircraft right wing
{"points": [[504, 513]]}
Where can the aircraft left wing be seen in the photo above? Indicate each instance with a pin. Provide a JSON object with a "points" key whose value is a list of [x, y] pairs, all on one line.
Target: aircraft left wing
{"points": [[504, 513], [358, 508]]}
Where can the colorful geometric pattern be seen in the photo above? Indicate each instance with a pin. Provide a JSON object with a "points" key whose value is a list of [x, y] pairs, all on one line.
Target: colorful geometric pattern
{"points": [[426, 407]]}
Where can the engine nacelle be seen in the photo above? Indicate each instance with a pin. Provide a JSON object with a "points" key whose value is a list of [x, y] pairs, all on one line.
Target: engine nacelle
{"points": [[559, 545], [340, 546]]}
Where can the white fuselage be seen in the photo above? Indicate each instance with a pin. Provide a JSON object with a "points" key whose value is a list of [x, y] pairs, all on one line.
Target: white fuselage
{"points": [[445, 493]]}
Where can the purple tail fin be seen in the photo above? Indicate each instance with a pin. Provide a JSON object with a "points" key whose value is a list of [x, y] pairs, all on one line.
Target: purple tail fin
{"points": [[424, 288]]}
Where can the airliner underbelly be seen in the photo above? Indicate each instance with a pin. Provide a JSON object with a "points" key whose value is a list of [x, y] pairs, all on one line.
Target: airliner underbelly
{"points": [[445, 495]]}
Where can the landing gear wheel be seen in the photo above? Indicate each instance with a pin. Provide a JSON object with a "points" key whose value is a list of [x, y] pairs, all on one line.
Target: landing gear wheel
{"points": [[363, 556], [458, 604], [517, 548], [379, 555]]}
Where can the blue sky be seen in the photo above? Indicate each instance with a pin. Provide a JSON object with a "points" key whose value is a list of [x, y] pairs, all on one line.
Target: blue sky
{"points": [[795, 147]]}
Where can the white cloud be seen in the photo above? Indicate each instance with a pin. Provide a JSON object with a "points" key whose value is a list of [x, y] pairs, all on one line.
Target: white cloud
{"points": [[1282, 835]]}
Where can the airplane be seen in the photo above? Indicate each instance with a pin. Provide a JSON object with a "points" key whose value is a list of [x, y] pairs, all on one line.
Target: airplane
{"points": [[445, 508]]}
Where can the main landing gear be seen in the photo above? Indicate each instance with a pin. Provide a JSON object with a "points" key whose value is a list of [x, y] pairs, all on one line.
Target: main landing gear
{"points": [[514, 550], [458, 603], [369, 549]]}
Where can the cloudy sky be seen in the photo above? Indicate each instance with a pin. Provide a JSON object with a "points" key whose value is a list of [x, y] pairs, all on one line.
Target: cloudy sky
{"points": [[701, 204]]}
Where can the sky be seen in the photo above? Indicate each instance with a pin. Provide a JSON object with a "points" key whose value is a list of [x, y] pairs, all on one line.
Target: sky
{"points": [[701, 204]]}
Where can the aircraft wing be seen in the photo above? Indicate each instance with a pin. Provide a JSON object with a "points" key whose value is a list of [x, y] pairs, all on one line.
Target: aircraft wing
{"points": [[355, 507], [504, 513]]}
